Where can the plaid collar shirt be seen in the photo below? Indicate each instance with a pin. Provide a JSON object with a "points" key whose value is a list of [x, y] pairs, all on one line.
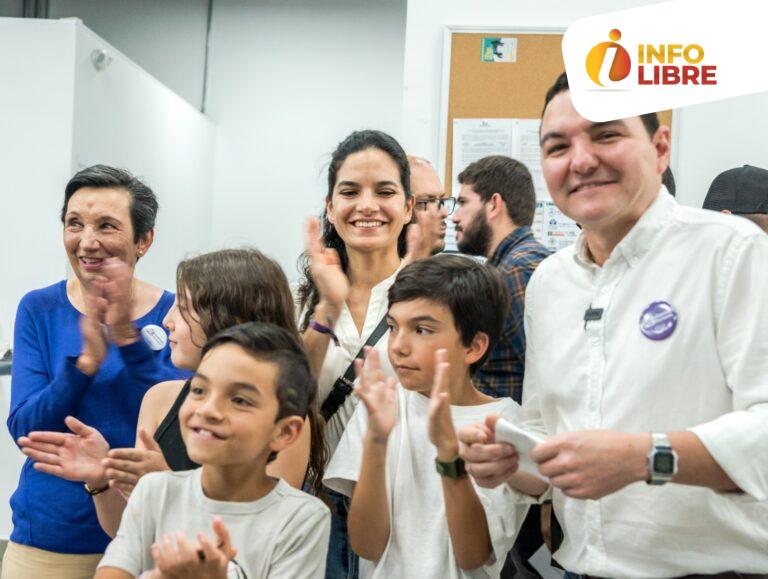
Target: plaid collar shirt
{"points": [[516, 257]]}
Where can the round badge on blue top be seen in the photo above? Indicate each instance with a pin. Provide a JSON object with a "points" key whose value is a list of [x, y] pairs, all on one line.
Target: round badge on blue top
{"points": [[658, 321], [154, 336]]}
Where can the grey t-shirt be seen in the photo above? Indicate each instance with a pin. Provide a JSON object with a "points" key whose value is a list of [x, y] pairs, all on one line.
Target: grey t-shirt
{"points": [[283, 534]]}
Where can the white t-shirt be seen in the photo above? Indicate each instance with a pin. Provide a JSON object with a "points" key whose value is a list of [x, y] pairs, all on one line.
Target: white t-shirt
{"points": [[338, 359], [419, 545], [283, 534]]}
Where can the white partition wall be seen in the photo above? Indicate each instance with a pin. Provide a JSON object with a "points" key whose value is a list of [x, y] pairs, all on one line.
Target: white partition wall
{"points": [[125, 117], [58, 114]]}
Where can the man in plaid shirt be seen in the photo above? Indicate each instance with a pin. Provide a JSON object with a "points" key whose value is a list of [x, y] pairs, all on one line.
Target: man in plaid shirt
{"points": [[495, 211]]}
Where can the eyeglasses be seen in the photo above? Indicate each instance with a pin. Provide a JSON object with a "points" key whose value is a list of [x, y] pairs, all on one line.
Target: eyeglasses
{"points": [[449, 203]]}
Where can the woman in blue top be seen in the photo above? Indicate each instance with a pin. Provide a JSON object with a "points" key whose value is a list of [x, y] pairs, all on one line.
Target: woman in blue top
{"points": [[89, 347]]}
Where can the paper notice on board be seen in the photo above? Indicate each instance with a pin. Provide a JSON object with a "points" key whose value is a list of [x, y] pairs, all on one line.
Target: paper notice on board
{"points": [[527, 150], [474, 139], [551, 228]]}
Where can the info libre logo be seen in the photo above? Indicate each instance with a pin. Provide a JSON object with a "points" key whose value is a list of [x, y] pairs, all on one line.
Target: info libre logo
{"points": [[663, 64]]}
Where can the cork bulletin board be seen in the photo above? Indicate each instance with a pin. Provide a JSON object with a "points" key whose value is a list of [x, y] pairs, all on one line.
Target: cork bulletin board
{"points": [[476, 88]]}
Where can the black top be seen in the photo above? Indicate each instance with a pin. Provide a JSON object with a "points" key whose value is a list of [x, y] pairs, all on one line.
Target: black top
{"points": [[168, 436]]}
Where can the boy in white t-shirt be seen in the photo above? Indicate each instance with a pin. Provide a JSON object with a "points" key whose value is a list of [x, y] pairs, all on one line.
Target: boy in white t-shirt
{"points": [[414, 511], [247, 401]]}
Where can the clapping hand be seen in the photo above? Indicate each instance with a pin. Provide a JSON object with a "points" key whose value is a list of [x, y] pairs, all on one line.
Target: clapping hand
{"points": [[178, 558], [72, 456], [379, 395], [442, 433], [92, 329], [118, 293], [422, 236], [125, 466], [325, 266]]}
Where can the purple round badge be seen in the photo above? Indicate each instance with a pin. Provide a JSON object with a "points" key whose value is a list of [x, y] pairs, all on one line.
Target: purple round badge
{"points": [[658, 321]]}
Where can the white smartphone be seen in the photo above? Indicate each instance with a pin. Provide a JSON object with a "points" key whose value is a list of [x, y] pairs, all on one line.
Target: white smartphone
{"points": [[523, 441]]}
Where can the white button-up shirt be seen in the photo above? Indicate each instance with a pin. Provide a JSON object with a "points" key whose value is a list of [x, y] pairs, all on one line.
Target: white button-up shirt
{"points": [[709, 376], [338, 358]]}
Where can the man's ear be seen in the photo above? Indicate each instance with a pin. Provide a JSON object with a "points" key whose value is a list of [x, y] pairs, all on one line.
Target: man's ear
{"points": [[495, 206], [477, 348], [661, 142], [285, 432]]}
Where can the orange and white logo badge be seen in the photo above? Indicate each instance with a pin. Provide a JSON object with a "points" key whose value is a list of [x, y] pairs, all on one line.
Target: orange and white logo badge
{"points": [[663, 56]]}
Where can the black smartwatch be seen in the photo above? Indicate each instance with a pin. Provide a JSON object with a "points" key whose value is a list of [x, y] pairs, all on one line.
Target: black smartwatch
{"points": [[453, 468], [662, 461]]}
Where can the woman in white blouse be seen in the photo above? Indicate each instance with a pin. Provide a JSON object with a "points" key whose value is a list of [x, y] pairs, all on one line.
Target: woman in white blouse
{"points": [[353, 254]]}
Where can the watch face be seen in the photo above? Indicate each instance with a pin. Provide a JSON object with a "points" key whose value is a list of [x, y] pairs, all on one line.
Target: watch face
{"points": [[663, 463]]}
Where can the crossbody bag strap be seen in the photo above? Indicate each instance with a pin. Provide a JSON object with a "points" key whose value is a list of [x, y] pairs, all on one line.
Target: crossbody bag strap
{"points": [[345, 383]]}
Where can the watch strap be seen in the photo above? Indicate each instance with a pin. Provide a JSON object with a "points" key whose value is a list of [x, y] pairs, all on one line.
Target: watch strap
{"points": [[454, 468], [660, 445]]}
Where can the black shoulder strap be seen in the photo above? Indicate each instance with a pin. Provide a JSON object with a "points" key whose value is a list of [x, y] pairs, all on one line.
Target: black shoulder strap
{"points": [[344, 384]]}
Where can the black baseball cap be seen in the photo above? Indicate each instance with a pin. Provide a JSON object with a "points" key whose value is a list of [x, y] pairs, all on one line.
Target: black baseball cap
{"points": [[741, 190]]}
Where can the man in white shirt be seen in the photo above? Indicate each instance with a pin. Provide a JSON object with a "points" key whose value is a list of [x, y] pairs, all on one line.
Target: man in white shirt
{"points": [[646, 362]]}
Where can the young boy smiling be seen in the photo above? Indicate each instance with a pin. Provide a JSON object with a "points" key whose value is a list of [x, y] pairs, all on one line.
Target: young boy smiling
{"points": [[247, 400], [414, 511]]}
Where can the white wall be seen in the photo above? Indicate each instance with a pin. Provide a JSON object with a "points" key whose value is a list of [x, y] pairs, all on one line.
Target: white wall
{"points": [[58, 114], [166, 38], [36, 116], [124, 117], [710, 138], [288, 79], [718, 136], [35, 151]]}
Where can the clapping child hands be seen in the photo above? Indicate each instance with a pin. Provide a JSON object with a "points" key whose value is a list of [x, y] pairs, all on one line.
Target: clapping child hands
{"points": [[379, 395], [125, 466], [442, 432], [178, 558]]}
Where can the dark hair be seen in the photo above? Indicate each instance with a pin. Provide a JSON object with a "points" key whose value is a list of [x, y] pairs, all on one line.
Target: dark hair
{"points": [[507, 177], [650, 120], [295, 387], [358, 141], [473, 292], [233, 286], [144, 204]]}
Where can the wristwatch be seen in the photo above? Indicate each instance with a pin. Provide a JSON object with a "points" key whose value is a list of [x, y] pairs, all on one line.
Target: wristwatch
{"points": [[662, 460], [453, 468]]}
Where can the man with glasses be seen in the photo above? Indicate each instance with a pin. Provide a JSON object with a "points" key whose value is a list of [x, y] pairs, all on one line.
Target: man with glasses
{"points": [[431, 206]]}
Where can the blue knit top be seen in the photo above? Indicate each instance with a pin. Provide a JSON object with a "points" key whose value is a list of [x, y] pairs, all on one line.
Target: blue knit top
{"points": [[48, 512]]}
